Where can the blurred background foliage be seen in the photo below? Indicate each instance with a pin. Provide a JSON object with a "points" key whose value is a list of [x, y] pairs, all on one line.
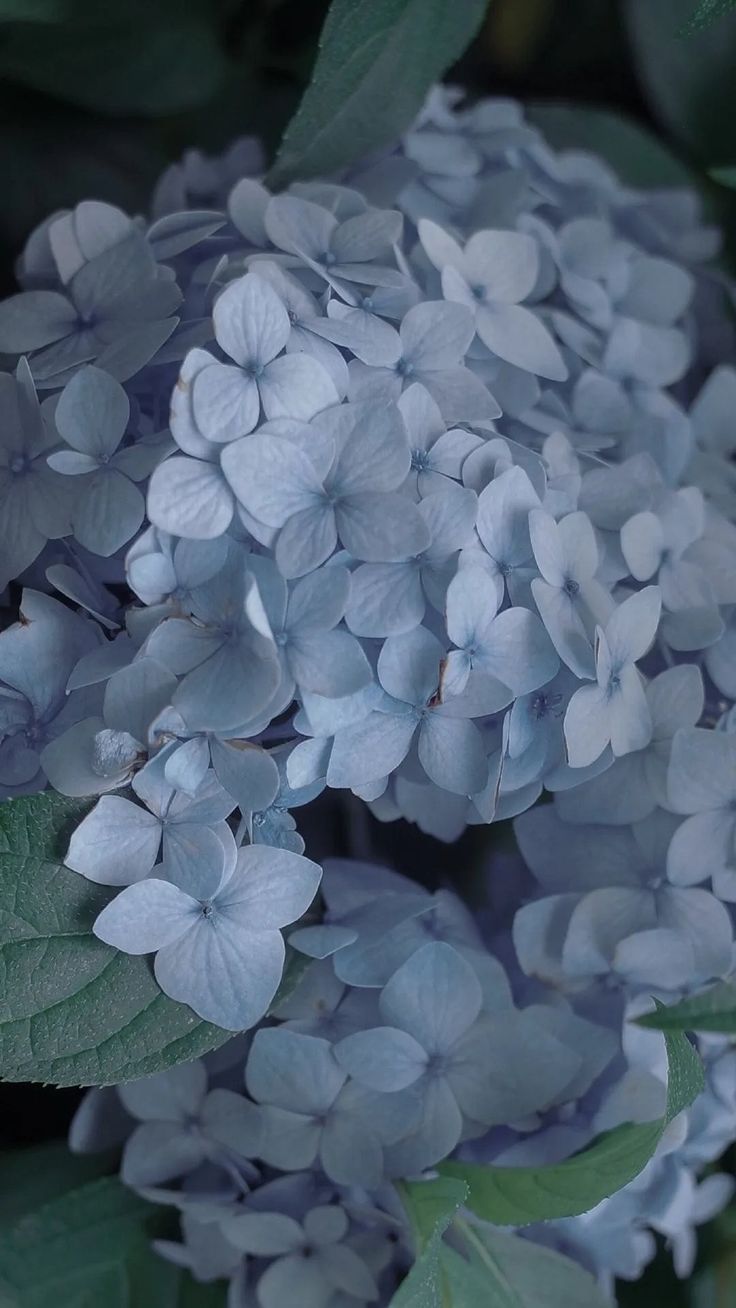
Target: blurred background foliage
{"points": [[96, 98]]}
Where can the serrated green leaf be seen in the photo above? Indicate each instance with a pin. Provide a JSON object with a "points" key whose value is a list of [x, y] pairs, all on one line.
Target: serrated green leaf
{"points": [[431, 1208], [377, 60], [504, 1271], [73, 1011], [638, 156], [110, 65], [713, 1010], [517, 1196]]}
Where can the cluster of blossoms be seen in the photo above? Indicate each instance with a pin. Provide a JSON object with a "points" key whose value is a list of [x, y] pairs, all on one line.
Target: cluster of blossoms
{"points": [[422, 483]]}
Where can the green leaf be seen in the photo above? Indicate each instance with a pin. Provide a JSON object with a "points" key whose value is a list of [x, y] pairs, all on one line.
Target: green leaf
{"points": [[726, 176], [431, 1207], [74, 1248], [689, 85], [37, 1174], [713, 1010], [72, 1241], [505, 1271], [638, 156], [516, 1196], [377, 60], [31, 11], [73, 1011], [116, 66], [706, 13]]}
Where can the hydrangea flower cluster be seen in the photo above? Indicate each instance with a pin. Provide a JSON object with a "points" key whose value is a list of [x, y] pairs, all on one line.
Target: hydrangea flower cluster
{"points": [[422, 483]]}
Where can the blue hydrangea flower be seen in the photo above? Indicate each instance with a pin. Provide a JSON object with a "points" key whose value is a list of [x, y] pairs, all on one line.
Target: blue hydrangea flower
{"points": [[182, 1125], [337, 251], [92, 416], [37, 656], [35, 502], [615, 711], [310, 1110], [450, 748], [225, 653], [701, 783], [433, 340], [387, 599], [312, 1263], [218, 942], [316, 653], [351, 493], [119, 841], [433, 1043], [115, 306], [103, 752], [252, 327], [494, 272]]}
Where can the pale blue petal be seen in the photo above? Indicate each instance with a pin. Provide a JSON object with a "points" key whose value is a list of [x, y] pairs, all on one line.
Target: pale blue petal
{"points": [[435, 996], [117, 843], [384, 1058], [147, 916], [294, 1072]]}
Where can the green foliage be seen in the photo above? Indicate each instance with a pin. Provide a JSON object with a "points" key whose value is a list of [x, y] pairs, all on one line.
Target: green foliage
{"points": [[638, 156], [113, 67], [706, 13], [713, 1010], [39, 1174], [481, 1268], [73, 1247], [377, 60], [505, 1271], [516, 1196], [431, 1207], [73, 1011], [726, 176], [689, 84], [72, 1238]]}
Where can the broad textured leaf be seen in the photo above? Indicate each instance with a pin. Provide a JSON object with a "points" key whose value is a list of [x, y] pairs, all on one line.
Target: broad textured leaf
{"points": [[152, 1280], [74, 1248], [517, 1196], [689, 84], [505, 1271], [713, 1010], [118, 66], [431, 1207], [73, 1011], [377, 60], [636, 154], [73, 1242]]}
